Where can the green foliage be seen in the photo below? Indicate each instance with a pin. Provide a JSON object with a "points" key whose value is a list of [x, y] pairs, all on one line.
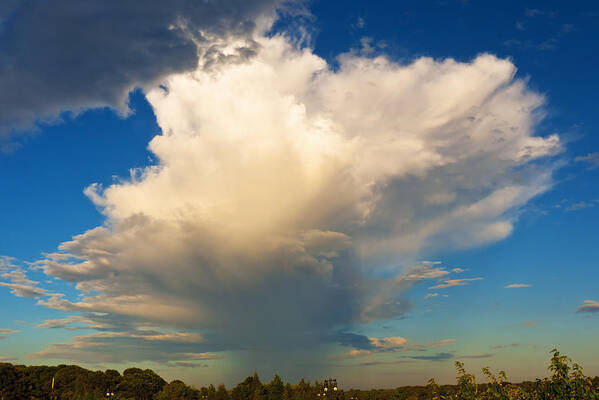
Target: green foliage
{"points": [[18, 382], [221, 393], [177, 390], [567, 382], [275, 388], [140, 384]]}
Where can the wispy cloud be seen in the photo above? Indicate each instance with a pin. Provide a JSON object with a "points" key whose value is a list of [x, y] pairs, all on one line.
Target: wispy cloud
{"points": [[455, 282], [4, 333], [186, 364], [435, 357], [529, 323], [373, 363], [550, 43], [134, 346], [81, 322], [581, 205], [591, 159], [475, 356], [517, 285], [22, 290], [588, 306], [505, 346], [537, 12], [388, 342], [395, 345]]}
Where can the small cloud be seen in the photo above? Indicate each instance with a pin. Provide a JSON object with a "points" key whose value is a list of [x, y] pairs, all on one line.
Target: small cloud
{"points": [[520, 26], [455, 282], [458, 270], [429, 295], [388, 342], [592, 159], [21, 290], [519, 44], [394, 344], [529, 323], [537, 12], [474, 356], [359, 353], [588, 306], [517, 285], [202, 356], [549, 44], [436, 357], [177, 337], [373, 363], [7, 359], [360, 23], [17, 276], [505, 346], [366, 46], [4, 333], [581, 205], [186, 364]]}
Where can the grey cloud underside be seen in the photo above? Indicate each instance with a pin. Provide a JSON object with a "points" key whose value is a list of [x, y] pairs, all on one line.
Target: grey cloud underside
{"points": [[117, 347], [436, 357], [70, 55], [295, 306]]}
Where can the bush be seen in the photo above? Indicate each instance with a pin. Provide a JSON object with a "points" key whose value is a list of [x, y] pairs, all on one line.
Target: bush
{"points": [[567, 382]]}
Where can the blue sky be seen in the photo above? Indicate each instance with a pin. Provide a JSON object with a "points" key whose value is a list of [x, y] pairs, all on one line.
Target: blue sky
{"points": [[316, 190]]}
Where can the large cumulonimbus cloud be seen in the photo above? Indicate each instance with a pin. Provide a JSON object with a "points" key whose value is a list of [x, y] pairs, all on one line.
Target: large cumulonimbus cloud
{"points": [[283, 186], [70, 55]]}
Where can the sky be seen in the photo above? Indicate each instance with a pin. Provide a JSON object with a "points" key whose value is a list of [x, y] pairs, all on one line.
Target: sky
{"points": [[369, 191]]}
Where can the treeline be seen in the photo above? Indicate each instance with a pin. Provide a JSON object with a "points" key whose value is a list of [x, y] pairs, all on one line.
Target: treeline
{"points": [[19, 382]]}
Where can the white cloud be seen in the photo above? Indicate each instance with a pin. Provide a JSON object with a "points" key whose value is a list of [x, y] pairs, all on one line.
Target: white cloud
{"points": [[388, 342], [22, 290], [283, 187], [517, 285], [18, 276], [394, 344], [455, 282]]}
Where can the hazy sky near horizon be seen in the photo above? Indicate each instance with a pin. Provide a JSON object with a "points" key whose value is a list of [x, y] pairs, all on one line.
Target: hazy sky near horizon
{"points": [[364, 190]]}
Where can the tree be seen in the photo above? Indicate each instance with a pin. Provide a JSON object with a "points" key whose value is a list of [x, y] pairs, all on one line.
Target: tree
{"points": [[177, 390], [275, 388], [244, 390], [221, 393], [140, 384]]}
